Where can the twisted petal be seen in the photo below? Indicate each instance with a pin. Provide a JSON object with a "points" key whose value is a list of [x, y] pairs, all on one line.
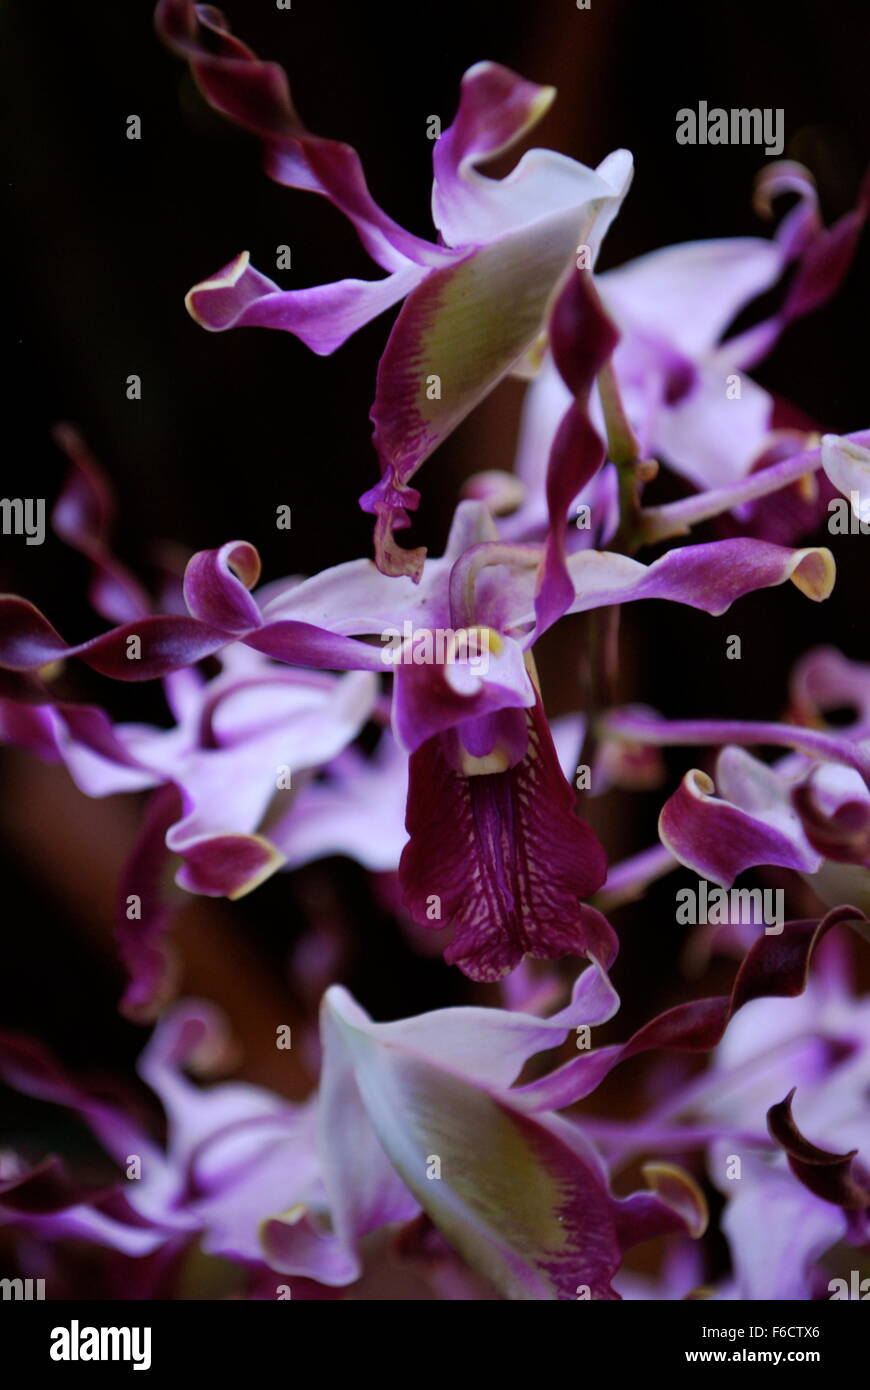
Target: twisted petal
{"points": [[774, 965], [82, 516], [323, 317], [834, 1177], [583, 340], [256, 96]]}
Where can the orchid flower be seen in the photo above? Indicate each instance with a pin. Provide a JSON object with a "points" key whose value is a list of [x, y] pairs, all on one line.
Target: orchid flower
{"points": [[476, 302], [409, 1117], [684, 385], [479, 735]]}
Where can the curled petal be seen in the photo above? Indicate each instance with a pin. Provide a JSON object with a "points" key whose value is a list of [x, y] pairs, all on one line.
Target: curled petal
{"points": [[216, 584], [430, 699], [228, 866], [496, 108], [842, 835], [323, 317], [256, 96], [720, 840], [710, 577], [824, 680], [831, 1176], [774, 965], [83, 517]]}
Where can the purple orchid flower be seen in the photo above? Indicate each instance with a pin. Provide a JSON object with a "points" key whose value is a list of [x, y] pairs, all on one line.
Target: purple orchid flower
{"points": [[478, 734], [684, 385], [507, 241], [409, 1117]]}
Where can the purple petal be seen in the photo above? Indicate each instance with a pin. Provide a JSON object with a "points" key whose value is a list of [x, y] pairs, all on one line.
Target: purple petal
{"points": [[496, 109], [710, 577], [505, 859], [720, 840], [83, 515], [583, 340], [29, 642], [256, 96], [217, 584], [774, 965], [833, 1177], [323, 317], [431, 698], [144, 951]]}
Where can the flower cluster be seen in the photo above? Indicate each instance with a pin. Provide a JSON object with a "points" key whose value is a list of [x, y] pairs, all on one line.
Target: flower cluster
{"points": [[351, 713]]}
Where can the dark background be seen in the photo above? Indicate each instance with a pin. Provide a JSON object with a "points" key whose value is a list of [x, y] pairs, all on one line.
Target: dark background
{"points": [[107, 236]]}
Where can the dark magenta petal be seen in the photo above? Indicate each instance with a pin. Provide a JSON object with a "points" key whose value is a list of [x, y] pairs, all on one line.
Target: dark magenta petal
{"points": [[720, 840], [28, 641], [41, 1190], [843, 836], [826, 260], [504, 859], [583, 339], [833, 1177], [147, 878], [82, 516], [216, 585], [775, 965], [167, 644], [227, 866], [256, 96], [27, 1067], [30, 727]]}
